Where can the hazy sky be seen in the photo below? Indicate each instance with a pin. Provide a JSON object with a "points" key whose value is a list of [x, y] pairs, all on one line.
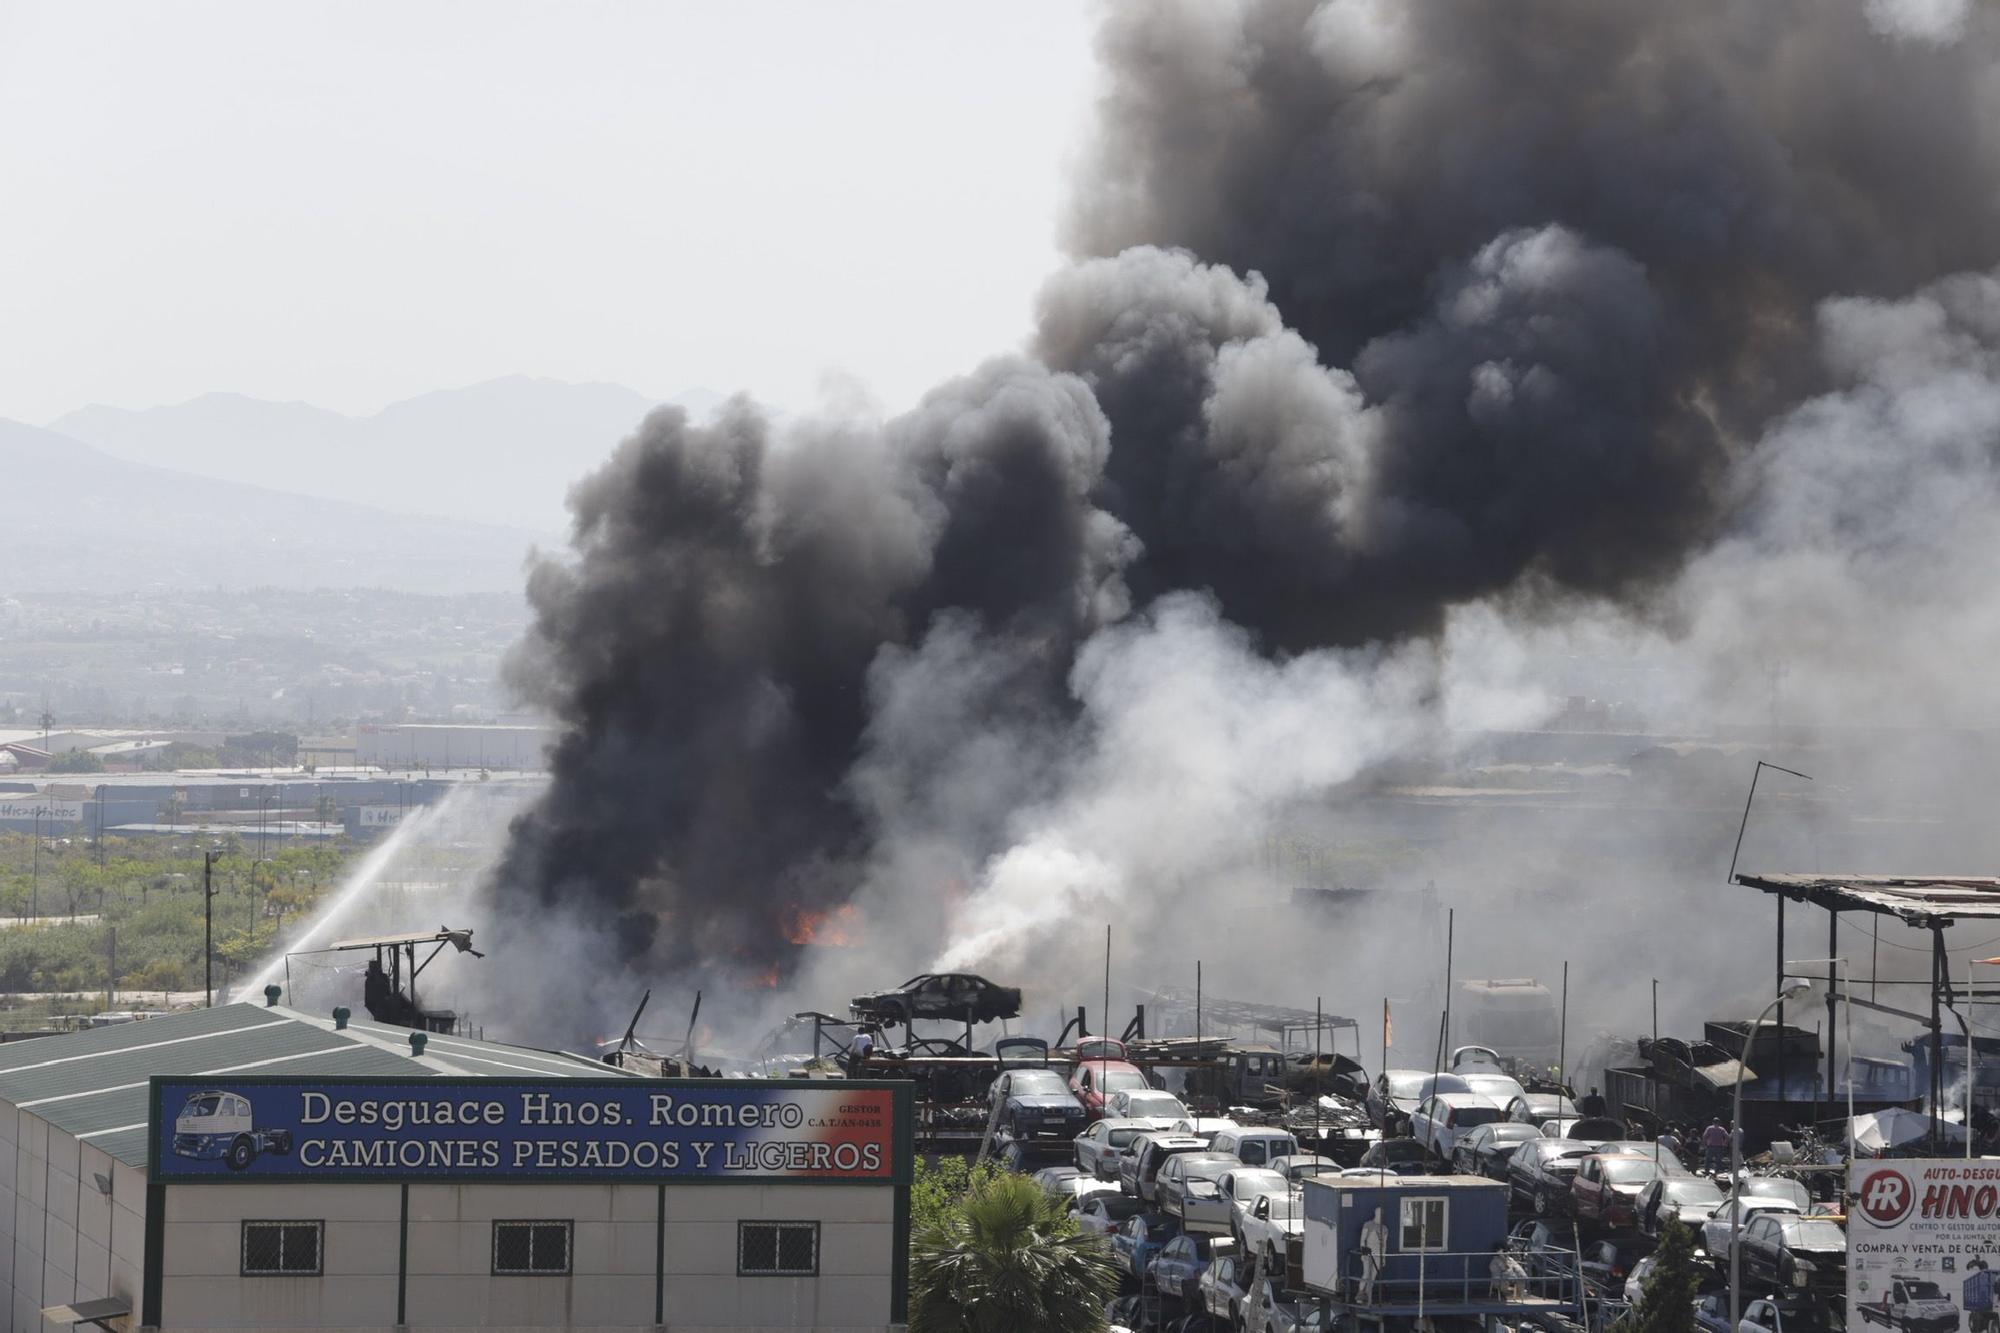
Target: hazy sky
{"points": [[352, 202]]}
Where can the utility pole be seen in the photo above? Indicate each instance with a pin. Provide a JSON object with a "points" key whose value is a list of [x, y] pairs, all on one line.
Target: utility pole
{"points": [[208, 924], [111, 967]]}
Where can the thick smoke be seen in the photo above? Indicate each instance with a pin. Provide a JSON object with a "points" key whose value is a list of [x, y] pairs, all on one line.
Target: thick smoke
{"points": [[1403, 343], [708, 649]]}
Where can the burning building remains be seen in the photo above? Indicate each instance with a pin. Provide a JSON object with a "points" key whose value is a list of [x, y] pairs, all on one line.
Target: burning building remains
{"points": [[1379, 316]]}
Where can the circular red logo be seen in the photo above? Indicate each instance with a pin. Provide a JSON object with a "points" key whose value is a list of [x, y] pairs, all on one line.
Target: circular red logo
{"points": [[1886, 1197]]}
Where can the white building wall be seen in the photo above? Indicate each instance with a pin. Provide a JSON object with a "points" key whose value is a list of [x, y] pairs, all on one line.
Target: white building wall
{"points": [[445, 746], [64, 1233], [203, 1284], [451, 1285]]}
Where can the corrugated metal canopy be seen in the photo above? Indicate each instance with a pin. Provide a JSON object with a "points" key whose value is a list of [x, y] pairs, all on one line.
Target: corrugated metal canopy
{"points": [[1920, 900], [94, 1085]]}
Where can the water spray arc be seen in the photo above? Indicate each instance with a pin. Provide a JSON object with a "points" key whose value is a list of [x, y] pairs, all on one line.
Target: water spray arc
{"points": [[352, 893]]}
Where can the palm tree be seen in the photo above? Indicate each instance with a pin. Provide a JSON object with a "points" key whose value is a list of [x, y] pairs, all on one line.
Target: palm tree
{"points": [[1007, 1260]]}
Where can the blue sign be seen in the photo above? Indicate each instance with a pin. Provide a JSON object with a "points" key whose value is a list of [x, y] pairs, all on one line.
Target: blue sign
{"points": [[217, 1128]]}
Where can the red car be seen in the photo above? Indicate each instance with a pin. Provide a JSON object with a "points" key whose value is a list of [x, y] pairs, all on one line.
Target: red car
{"points": [[1099, 1074], [1606, 1186]]}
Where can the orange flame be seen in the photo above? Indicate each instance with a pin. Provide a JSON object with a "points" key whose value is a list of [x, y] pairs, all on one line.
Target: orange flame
{"points": [[837, 927], [767, 979]]}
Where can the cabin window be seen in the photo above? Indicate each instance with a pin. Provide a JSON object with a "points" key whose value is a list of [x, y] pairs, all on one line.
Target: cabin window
{"points": [[1423, 1223]]}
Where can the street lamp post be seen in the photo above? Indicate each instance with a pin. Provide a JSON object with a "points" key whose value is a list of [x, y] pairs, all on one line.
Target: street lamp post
{"points": [[208, 924], [1792, 991], [35, 884]]}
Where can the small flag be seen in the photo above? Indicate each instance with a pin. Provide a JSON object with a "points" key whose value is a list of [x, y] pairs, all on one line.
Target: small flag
{"points": [[1388, 1032]]}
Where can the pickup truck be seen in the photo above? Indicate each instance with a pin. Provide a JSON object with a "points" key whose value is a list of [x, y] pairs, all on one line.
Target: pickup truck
{"points": [[1911, 1305]]}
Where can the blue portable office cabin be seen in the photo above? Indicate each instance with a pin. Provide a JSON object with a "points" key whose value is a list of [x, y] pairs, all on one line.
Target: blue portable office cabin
{"points": [[1441, 1235]]}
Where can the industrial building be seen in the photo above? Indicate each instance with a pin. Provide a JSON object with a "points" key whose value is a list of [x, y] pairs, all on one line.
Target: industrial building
{"points": [[282, 807], [421, 745], [256, 1167]]}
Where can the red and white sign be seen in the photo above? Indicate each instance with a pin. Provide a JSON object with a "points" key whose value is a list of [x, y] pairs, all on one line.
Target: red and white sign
{"points": [[1923, 1241]]}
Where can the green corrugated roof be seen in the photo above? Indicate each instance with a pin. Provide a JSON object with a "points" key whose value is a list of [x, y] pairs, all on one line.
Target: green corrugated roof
{"points": [[94, 1084]]}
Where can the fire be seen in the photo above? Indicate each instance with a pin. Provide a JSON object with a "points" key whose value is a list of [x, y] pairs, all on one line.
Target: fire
{"points": [[836, 927], [767, 979]]}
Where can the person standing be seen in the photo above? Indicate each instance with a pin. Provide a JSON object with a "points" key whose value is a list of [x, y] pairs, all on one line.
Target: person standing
{"points": [[1591, 1103], [1715, 1147]]}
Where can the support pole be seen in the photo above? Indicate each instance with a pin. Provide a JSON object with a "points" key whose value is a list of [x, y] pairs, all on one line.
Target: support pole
{"points": [[1779, 985], [1832, 1041], [1562, 1039], [1450, 931], [208, 925], [1938, 981]]}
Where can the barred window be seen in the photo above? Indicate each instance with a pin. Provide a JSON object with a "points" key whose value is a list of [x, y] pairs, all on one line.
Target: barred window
{"points": [[777, 1249], [531, 1247], [281, 1249]]}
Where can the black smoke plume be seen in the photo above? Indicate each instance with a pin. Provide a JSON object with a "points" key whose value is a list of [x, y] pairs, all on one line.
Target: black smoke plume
{"points": [[1378, 308]]}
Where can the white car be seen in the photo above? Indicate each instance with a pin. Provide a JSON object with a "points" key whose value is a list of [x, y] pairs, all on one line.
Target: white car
{"points": [[1635, 1285], [1497, 1088], [1270, 1312], [1145, 1104], [1270, 1222], [1299, 1166], [1099, 1148], [1440, 1119], [1241, 1186], [1202, 1127], [1762, 1316], [1715, 1231]]}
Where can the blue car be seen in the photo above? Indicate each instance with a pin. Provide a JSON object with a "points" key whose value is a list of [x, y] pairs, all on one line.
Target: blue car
{"points": [[1036, 1103], [1178, 1267], [1135, 1244]]}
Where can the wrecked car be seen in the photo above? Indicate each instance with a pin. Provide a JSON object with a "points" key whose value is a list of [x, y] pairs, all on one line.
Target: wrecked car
{"points": [[941, 995]]}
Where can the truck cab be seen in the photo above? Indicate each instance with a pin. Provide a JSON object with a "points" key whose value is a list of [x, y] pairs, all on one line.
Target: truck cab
{"points": [[1912, 1305], [214, 1124]]}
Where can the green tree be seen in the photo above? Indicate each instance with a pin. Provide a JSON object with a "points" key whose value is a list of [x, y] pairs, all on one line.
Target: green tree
{"points": [[1667, 1303], [76, 761], [1006, 1259]]}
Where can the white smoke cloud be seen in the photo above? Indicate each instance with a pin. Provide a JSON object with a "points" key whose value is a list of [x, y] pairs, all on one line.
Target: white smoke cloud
{"points": [[1934, 21]]}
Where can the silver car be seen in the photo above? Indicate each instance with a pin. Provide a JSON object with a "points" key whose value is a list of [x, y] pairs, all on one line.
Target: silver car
{"points": [[1270, 1312], [1689, 1200], [1100, 1148], [1189, 1187]]}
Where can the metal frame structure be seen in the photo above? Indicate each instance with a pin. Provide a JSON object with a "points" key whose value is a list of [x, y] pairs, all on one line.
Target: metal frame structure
{"points": [[1924, 902]]}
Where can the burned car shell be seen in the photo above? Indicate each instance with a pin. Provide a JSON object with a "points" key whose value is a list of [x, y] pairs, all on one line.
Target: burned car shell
{"points": [[941, 995]]}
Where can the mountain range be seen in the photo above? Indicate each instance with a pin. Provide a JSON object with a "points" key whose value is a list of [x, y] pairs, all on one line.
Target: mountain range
{"points": [[79, 519], [503, 452]]}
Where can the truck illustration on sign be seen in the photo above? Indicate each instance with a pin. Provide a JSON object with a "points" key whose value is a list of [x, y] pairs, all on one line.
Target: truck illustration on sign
{"points": [[1912, 1305], [218, 1124]]}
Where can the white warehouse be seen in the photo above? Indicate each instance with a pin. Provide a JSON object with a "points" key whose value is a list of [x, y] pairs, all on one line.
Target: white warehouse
{"points": [[256, 1167]]}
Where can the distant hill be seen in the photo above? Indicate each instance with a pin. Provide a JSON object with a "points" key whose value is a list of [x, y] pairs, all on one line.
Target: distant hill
{"points": [[505, 451], [77, 518]]}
